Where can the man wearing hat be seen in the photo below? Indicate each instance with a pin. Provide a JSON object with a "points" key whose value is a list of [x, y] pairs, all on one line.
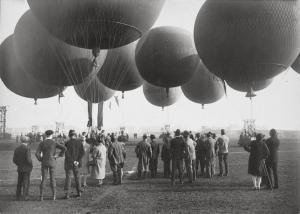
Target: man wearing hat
{"points": [[22, 158], [190, 156], [210, 154], [272, 161], [73, 159], [177, 155], [154, 158], [256, 164], [45, 153], [143, 152], [116, 157], [222, 148], [165, 154]]}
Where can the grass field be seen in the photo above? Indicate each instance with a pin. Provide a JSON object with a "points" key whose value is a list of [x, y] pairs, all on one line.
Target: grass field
{"points": [[230, 194]]}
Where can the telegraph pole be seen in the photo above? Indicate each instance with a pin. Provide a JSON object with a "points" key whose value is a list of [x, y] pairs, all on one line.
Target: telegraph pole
{"points": [[3, 110]]}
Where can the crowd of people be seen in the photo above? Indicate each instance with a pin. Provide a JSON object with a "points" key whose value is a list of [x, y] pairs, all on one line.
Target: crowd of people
{"points": [[86, 154], [184, 152]]}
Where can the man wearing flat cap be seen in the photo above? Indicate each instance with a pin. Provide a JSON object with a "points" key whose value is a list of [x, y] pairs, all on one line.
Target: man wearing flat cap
{"points": [[45, 153], [177, 154], [22, 158]]}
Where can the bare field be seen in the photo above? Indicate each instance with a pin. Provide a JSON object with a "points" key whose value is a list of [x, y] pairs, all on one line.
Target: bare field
{"points": [[230, 194]]}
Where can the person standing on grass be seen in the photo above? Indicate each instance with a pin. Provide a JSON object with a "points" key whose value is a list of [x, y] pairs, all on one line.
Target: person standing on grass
{"points": [[22, 158], [85, 169], [190, 156], [99, 160], [45, 153], [143, 152], [177, 151], [165, 154], [222, 148], [272, 161], [154, 158], [256, 164], [200, 153], [210, 155], [116, 156], [74, 154]]}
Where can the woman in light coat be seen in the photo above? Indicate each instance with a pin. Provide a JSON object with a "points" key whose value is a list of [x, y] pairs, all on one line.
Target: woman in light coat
{"points": [[99, 157]]}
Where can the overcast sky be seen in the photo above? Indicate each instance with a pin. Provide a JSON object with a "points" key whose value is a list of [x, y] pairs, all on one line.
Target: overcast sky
{"points": [[277, 106]]}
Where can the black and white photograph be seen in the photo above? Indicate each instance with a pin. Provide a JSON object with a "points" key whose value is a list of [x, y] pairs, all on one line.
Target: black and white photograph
{"points": [[150, 106]]}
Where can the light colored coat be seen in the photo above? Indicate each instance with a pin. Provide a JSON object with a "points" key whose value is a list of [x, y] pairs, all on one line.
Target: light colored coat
{"points": [[99, 154], [86, 158]]}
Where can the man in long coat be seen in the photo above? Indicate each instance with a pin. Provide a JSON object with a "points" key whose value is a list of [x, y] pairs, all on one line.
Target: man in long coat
{"points": [[73, 160], [210, 154], [143, 152], [272, 161], [165, 154], [116, 157], [22, 158], [200, 153], [154, 158], [177, 151]]}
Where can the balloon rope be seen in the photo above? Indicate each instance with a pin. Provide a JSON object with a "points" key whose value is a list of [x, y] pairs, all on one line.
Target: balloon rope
{"points": [[251, 108]]}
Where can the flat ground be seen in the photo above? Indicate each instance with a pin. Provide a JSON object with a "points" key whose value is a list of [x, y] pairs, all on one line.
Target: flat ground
{"points": [[230, 194]]}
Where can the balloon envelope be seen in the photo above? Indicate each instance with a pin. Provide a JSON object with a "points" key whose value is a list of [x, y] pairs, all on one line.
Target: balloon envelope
{"points": [[92, 90], [296, 64], [248, 40], [19, 81], [49, 59], [161, 56], [119, 71], [158, 96], [256, 86], [204, 87], [97, 23]]}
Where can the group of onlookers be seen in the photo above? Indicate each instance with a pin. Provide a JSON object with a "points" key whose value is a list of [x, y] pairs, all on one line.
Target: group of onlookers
{"points": [[263, 160], [183, 151], [84, 156]]}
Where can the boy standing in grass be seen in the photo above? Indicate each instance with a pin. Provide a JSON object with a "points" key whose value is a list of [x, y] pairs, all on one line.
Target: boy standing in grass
{"points": [[22, 158]]}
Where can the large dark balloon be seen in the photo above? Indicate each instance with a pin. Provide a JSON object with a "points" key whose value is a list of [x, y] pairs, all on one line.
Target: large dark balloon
{"points": [[49, 59], [158, 96], [296, 64], [17, 80], [204, 87], [250, 40], [119, 71], [92, 90], [161, 56], [97, 23], [256, 86]]}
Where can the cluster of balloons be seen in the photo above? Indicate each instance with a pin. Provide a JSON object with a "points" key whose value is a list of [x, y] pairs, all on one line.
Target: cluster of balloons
{"points": [[94, 46]]}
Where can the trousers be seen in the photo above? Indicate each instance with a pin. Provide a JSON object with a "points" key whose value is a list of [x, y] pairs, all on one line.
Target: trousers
{"points": [[44, 171], [200, 160], [167, 168], [177, 164], [75, 172], [272, 167], [117, 170], [23, 184], [210, 167], [223, 157], [153, 166]]}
